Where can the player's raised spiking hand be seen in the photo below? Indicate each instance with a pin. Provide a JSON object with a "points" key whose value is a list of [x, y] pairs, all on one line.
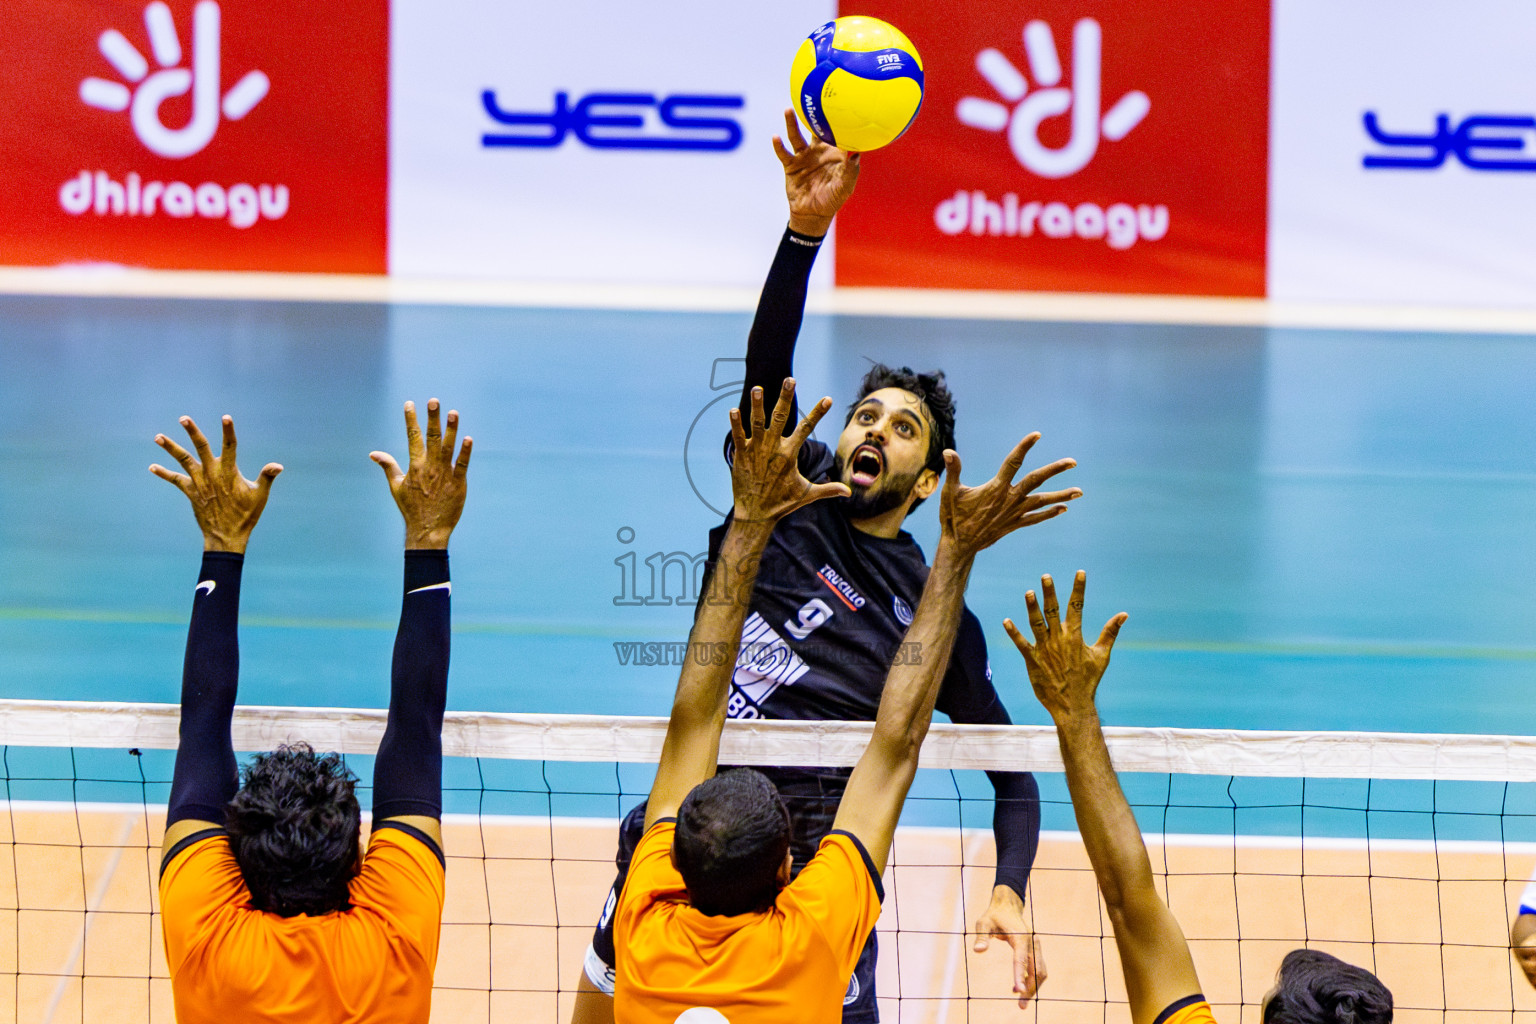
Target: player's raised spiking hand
{"points": [[974, 518], [765, 470], [818, 178], [430, 491], [226, 504]]}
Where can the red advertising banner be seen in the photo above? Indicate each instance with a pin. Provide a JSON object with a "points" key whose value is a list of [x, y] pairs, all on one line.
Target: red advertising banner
{"points": [[230, 135], [1072, 145]]}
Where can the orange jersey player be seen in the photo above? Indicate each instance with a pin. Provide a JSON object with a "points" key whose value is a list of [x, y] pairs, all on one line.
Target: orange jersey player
{"points": [[271, 912], [1312, 987], [708, 926]]}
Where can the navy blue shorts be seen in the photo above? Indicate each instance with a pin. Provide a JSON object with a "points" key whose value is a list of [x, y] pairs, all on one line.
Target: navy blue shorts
{"points": [[812, 798]]}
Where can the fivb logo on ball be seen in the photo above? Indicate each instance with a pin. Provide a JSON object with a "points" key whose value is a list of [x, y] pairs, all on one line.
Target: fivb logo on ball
{"points": [[1019, 118], [142, 95]]}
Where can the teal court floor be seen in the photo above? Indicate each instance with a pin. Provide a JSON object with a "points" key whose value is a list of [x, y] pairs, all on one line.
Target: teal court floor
{"points": [[1311, 529]]}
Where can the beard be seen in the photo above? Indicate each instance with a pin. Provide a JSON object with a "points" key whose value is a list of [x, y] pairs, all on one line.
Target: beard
{"points": [[886, 493]]}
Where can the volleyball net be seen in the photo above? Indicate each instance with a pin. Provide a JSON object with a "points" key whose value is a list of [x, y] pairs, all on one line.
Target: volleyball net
{"points": [[1404, 853]]}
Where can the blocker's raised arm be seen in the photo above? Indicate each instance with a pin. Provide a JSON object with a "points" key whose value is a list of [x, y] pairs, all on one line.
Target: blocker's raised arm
{"points": [[767, 484], [970, 520], [1065, 673], [227, 508], [430, 493]]}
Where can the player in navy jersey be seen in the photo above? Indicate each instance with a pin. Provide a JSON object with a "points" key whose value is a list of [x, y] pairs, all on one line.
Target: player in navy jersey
{"points": [[836, 591]]}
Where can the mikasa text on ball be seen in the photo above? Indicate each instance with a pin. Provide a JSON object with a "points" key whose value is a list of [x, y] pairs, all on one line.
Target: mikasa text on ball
{"points": [[857, 82]]}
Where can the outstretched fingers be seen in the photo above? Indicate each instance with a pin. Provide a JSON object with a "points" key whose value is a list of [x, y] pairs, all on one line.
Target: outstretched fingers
{"points": [[1110, 633], [1037, 621], [415, 448], [1053, 497], [177, 452], [809, 420], [782, 408], [434, 425], [1010, 467], [391, 468], [951, 475], [738, 435], [1075, 603], [228, 451], [1052, 607], [817, 492], [462, 466], [779, 151], [204, 451], [264, 479], [451, 434], [757, 414], [1039, 517], [1019, 641], [181, 481], [1036, 477], [792, 132]]}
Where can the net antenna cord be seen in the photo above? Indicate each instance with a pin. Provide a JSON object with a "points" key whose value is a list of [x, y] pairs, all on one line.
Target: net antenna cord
{"points": [[605, 738]]}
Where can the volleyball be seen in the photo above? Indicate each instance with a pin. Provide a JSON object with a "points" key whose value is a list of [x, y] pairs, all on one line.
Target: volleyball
{"points": [[857, 82]]}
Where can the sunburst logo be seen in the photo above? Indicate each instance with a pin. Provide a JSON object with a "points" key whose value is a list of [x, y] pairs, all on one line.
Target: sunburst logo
{"points": [[149, 91]]}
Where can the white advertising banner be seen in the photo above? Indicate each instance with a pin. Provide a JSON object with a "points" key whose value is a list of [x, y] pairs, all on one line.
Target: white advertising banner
{"points": [[591, 141], [1403, 152]]}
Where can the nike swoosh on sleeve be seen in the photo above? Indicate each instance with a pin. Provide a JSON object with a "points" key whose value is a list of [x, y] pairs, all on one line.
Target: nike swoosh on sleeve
{"points": [[210, 584], [436, 586]]}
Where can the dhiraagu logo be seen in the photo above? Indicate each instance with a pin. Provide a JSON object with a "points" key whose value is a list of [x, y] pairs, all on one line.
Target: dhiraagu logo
{"points": [[1018, 113], [141, 93]]}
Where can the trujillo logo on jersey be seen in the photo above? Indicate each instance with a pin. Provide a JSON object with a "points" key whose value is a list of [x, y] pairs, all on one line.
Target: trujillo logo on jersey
{"points": [[764, 663], [841, 587]]}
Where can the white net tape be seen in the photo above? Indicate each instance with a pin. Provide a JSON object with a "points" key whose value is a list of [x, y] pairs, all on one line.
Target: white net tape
{"points": [[600, 738]]}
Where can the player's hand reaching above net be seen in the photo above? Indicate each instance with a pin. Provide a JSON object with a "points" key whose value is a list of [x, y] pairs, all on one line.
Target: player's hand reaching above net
{"points": [[974, 518], [1063, 670], [430, 491], [765, 470], [226, 504], [818, 178]]}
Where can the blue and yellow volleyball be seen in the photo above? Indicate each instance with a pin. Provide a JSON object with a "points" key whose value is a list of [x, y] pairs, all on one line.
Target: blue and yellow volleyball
{"points": [[857, 83]]}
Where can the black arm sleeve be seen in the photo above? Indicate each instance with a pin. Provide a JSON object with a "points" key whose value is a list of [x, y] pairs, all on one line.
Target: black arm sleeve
{"points": [[969, 698], [780, 309], [408, 775], [206, 776]]}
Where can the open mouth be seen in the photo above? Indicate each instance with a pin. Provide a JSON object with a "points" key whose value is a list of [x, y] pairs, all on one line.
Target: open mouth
{"points": [[865, 466]]}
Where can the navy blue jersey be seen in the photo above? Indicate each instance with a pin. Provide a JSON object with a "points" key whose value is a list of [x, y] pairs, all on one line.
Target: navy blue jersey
{"points": [[829, 618], [832, 604]]}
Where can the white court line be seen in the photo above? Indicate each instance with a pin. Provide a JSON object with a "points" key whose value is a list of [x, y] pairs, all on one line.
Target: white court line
{"points": [[115, 281]]}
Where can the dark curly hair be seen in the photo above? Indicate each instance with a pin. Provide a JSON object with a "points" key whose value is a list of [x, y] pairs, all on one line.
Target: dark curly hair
{"points": [[294, 827], [1316, 988], [932, 390], [732, 834]]}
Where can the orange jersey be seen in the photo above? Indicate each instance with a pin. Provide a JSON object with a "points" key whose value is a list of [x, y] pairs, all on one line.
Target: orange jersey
{"points": [[370, 964], [789, 964], [1194, 1010]]}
